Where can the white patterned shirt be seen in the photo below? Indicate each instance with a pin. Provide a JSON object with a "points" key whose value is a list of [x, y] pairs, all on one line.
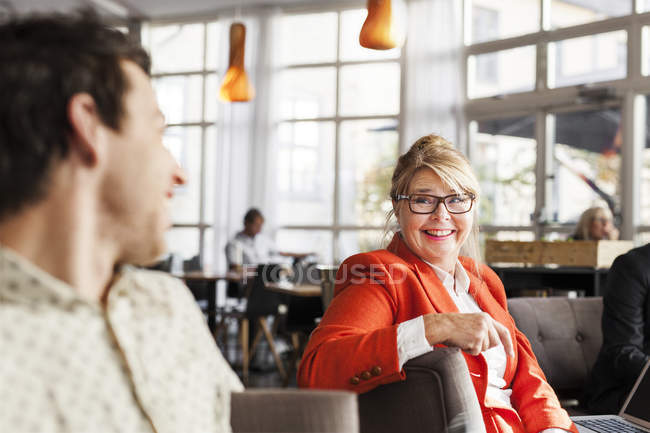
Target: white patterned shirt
{"points": [[144, 363]]}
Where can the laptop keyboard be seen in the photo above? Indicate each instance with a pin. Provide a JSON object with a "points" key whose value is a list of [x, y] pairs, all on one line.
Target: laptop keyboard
{"points": [[609, 425]]}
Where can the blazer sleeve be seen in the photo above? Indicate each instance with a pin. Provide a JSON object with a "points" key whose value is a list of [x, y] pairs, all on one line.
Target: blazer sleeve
{"points": [[623, 320], [532, 396], [355, 345]]}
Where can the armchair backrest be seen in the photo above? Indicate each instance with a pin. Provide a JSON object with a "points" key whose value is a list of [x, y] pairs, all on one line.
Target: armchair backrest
{"points": [[437, 396], [293, 411]]}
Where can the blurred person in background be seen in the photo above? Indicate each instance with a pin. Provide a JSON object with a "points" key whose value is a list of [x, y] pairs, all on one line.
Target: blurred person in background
{"points": [[251, 247], [595, 224], [89, 342], [419, 293]]}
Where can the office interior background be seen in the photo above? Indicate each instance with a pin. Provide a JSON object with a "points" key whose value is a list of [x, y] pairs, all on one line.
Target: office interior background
{"points": [[548, 98]]}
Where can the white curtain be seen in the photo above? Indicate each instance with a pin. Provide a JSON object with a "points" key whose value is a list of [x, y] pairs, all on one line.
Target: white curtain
{"points": [[263, 159], [433, 98], [243, 131]]}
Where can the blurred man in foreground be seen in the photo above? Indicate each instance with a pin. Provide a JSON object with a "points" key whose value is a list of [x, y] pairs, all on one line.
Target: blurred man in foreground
{"points": [[90, 343]]}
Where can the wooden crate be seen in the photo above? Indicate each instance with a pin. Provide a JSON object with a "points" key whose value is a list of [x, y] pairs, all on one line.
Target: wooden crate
{"points": [[598, 254]]}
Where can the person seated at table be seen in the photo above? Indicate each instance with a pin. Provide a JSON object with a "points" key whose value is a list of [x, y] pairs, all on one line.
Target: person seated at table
{"points": [[595, 224], [251, 247], [626, 332], [419, 293]]}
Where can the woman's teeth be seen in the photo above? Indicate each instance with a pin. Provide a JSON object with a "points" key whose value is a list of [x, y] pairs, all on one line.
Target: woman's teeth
{"points": [[438, 233]]}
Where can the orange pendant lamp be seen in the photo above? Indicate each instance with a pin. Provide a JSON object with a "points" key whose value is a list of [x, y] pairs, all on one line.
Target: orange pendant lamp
{"points": [[383, 28], [235, 86]]}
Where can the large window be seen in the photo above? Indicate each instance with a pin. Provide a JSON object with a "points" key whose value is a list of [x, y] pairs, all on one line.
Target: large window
{"points": [[554, 120], [505, 165], [586, 163], [336, 107], [185, 79]]}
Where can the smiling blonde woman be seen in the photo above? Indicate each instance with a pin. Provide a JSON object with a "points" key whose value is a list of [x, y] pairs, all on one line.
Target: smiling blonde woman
{"points": [[427, 289], [595, 224]]}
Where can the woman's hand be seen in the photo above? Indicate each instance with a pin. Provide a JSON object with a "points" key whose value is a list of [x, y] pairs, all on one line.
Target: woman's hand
{"points": [[473, 333]]}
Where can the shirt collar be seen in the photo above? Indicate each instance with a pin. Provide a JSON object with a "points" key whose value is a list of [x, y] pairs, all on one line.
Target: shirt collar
{"points": [[460, 278], [23, 282]]}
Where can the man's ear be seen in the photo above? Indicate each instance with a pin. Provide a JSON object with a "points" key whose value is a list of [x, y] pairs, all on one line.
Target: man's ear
{"points": [[86, 126]]}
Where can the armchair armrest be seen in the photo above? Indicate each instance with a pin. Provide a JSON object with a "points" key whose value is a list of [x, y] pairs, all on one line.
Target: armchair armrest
{"points": [[437, 396], [294, 411]]}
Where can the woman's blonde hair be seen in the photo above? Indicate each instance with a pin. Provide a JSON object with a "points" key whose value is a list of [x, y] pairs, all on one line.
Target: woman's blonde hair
{"points": [[583, 228], [451, 166]]}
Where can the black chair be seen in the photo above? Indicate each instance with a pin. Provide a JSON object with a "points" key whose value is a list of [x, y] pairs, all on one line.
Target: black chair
{"points": [[192, 264], [198, 288], [164, 265], [261, 304]]}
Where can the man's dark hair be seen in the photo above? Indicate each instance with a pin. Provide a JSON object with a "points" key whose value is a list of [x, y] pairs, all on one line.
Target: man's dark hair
{"points": [[251, 215], [44, 61]]}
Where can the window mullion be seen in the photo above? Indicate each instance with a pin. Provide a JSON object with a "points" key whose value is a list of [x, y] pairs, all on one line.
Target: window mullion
{"points": [[544, 136], [337, 144], [634, 137], [634, 50], [545, 15]]}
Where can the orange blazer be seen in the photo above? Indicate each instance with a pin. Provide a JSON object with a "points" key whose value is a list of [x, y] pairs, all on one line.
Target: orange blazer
{"points": [[355, 345]]}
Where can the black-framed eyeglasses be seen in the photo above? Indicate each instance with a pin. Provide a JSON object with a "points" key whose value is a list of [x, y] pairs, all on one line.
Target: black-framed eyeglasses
{"points": [[427, 203]]}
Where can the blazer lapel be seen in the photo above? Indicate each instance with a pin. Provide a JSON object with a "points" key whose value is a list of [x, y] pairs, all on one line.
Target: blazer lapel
{"points": [[436, 292], [442, 302]]}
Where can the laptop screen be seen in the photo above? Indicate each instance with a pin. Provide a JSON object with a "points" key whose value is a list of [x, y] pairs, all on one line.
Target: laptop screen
{"points": [[639, 400]]}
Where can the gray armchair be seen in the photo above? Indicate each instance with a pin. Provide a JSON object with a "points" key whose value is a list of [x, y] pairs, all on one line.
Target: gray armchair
{"points": [[294, 411], [437, 396]]}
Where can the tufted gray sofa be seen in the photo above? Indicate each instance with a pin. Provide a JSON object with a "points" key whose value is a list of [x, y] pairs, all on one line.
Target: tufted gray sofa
{"points": [[565, 335]]}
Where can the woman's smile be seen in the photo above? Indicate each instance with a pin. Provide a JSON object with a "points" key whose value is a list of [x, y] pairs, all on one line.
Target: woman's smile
{"points": [[438, 234]]}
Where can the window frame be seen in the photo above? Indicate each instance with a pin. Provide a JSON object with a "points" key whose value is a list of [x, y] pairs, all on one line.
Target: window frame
{"points": [[543, 101], [202, 225], [336, 228]]}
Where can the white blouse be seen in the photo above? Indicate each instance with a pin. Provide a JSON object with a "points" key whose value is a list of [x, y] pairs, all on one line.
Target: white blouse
{"points": [[411, 340]]}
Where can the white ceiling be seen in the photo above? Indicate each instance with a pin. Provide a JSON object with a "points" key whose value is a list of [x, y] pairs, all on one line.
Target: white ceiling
{"points": [[153, 9]]}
